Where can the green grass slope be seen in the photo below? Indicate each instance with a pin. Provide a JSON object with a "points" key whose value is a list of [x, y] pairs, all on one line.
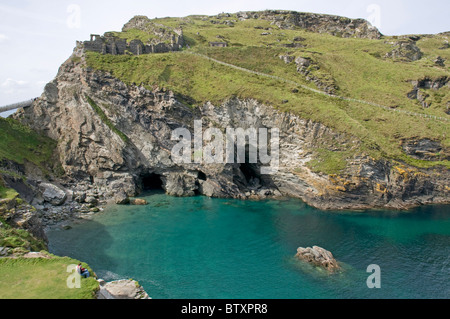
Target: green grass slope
{"points": [[20, 144], [41, 278]]}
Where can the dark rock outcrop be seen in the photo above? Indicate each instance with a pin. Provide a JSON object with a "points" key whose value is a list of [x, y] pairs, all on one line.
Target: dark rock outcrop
{"points": [[440, 61], [405, 50], [320, 23], [307, 67], [53, 194], [420, 86], [21, 215], [426, 149]]}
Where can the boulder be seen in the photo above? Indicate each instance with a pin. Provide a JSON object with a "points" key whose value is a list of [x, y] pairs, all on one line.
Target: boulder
{"points": [[53, 194], [440, 61], [91, 200], [51, 93], [121, 289], [303, 62], [405, 50], [5, 251], [79, 197], [28, 219], [319, 257], [138, 201], [120, 198], [181, 185], [287, 58]]}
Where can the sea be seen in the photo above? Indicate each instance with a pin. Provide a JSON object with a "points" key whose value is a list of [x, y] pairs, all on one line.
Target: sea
{"points": [[207, 248]]}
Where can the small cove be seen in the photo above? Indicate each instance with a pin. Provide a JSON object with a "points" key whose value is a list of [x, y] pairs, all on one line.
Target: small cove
{"points": [[204, 248]]}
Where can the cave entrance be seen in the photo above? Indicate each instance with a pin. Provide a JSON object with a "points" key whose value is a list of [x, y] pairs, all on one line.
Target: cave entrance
{"points": [[202, 176], [251, 176], [249, 171], [151, 182]]}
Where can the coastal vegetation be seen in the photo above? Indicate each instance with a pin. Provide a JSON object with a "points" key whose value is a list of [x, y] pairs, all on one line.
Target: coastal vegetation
{"points": [[356, 68], [42, 278]]}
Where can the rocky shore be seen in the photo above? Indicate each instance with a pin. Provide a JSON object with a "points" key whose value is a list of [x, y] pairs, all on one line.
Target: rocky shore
{"points": [[117, 158], [121, 289]]}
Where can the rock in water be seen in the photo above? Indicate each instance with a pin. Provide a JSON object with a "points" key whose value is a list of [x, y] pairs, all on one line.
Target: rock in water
{"points": [[138, 202], [319, 257], [121, 289]]}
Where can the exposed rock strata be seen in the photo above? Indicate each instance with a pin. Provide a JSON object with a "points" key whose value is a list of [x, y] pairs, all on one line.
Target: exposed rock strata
{"points": [[21, 215], [93, 154], [307, 67], [420, 86], [320, 23], [405, 50]]}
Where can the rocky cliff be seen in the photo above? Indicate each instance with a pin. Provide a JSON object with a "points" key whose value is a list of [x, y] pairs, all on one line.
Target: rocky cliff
{"points": [[320, 23], [118, 137]]}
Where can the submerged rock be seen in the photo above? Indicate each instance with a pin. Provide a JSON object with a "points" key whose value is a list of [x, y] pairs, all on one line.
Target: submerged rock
{"points": [[318, 257], [138, 202]]}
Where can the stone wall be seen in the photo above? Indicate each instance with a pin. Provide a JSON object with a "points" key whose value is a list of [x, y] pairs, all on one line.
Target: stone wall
{"points": [[116, 46]]}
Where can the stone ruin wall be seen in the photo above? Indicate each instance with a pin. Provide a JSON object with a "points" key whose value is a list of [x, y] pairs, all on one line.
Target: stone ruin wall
{"points": [[116, 46]]}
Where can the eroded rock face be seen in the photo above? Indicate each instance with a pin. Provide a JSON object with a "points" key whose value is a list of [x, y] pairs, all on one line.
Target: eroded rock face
{"points": [[92, 153], [307, 67], [319, 257], [421, 86], [321, 23], [21, 215], [440, 61], [426, 149], [405, 50]]}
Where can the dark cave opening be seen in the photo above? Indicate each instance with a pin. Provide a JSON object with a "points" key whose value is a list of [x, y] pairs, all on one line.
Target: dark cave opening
{"points": [[251, 173], [202, 176], [151, 182]]}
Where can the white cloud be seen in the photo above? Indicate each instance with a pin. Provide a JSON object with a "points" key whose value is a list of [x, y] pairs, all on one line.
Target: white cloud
{"points": [[3, 38], [10, 86]]}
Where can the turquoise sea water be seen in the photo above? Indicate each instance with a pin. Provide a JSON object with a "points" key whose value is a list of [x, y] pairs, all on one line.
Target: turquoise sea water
{"points": [[203, 248]]}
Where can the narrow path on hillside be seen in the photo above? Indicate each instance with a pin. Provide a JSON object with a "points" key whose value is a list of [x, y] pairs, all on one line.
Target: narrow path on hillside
{"points": [[425, 116]]}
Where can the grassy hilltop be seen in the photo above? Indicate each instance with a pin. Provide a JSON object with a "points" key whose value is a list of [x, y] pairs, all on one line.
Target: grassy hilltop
{"points": [[356, 68]]}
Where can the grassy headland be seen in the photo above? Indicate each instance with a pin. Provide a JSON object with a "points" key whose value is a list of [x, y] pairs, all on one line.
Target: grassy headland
{"points": [[357, 67]]}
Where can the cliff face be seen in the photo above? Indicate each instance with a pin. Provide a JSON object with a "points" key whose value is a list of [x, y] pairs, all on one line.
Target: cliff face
{"points": [[320, 23], [118, 137]]}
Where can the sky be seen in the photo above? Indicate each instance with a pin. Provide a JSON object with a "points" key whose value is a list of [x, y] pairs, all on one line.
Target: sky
{"points": [[37, 36]]}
